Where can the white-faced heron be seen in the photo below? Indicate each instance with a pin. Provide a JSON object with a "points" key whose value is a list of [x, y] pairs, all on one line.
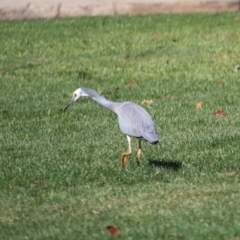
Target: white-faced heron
{"points": [[134, 120]]}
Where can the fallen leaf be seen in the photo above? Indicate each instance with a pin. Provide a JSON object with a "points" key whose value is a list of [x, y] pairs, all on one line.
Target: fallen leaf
{"points": [[219, 113], [37, 184], [229, 174], [155, 35], [219, 83], [150, 101], [199, 105], [234, 34], [95, 212], [129, 84], [236, 19], [113, 230]]}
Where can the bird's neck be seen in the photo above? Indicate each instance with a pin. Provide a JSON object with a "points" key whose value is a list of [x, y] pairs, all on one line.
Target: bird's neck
{"points": [[112, 106]]}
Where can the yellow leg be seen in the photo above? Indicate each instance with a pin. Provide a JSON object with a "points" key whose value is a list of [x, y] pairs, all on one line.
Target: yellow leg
{"points": [[139, 153], [125, 154], [124, 158], [139, 156]]}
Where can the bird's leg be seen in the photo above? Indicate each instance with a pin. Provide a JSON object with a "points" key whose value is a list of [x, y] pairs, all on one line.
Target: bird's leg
{"points": [[125, 154], [139, 153]]}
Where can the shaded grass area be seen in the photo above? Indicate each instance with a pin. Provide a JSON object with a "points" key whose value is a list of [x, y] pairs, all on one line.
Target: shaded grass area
{"points": [[60, 173]]}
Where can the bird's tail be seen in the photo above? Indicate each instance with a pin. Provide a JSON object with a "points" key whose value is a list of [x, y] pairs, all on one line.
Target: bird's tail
{"points": [[154, 142]]}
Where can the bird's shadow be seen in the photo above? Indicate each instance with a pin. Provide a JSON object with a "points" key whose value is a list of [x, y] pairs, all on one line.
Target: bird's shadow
{"points": [[165, 163]]}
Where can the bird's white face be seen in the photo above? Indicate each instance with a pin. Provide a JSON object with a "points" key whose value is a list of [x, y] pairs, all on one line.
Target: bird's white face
{"points": [[76, 95], [79, 93]]}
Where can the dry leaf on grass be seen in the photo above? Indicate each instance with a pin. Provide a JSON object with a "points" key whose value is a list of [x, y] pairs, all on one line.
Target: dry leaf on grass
{"points": [[228, 174], [219, 83], [95, 212], [149, 101], [199, 105], [219, 113], [113, 230], [155, 35], [234, 34], [129, 84], [37, 184]]}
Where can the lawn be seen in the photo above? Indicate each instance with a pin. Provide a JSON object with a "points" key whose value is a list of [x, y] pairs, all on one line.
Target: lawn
{"points": [[60, 174]]}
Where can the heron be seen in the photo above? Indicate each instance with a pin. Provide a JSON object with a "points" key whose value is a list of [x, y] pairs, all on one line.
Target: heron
{"points": [[134, 120]]}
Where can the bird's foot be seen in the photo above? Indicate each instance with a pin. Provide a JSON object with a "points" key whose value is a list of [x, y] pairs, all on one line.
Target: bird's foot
{"points": [[124, 158], [123, 161]]}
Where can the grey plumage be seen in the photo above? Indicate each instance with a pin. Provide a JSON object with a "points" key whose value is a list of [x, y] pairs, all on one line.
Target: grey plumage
{"points": [[134, 120]]}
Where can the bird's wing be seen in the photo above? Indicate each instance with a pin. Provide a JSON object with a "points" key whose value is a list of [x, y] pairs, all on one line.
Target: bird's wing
{"points": [[135, 121]]}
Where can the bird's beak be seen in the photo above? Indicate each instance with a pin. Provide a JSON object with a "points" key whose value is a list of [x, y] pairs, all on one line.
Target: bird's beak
{"points": [[70, 103]]}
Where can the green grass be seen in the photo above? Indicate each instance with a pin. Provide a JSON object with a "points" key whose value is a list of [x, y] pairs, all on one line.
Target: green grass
{"points": [[181, 190]]}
